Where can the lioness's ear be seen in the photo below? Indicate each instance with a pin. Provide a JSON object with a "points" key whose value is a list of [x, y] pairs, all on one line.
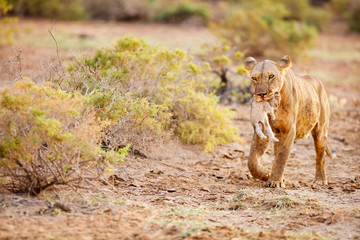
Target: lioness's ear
{"points": [[284, 63], [249, 63]]}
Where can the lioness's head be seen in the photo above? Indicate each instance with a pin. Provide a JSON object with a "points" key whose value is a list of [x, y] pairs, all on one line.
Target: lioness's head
{"points": [[266, 76]]}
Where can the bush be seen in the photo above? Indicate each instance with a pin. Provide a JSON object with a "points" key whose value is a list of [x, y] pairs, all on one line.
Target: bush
{"points": [[202, 121], [340, 7], [135, 121], [353, 18], [183, 11], [302, 11], [48, 137], [261, 28], [83, 9], [350, 10], [225, 61], [58, 9], [6, 30], [153, 88], [118, 9]]}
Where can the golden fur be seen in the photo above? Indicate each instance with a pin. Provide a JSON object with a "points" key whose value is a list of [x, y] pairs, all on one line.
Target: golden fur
{"points": [[303, 109]]}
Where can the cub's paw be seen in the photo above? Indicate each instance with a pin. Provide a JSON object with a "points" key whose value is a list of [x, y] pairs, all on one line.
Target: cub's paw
{"points": [[275, 184]]}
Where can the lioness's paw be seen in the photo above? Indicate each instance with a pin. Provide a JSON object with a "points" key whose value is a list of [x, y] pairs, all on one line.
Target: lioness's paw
{"points": [[266, 177], [321, 182], [275, 184]]}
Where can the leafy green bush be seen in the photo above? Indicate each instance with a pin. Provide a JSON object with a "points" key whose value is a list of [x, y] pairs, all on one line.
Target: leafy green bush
{"points": [[182, 12], [202, 121], [353, 18], [135, 121], [348, 9], [260, 28], [48, 137], [302, 11], [137, 85], [123, 10], [118, 9], [340, 7], [6, 30], [225, 62], [58, 9]]}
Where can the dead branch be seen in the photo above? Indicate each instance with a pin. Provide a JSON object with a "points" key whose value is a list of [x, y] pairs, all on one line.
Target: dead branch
{"points": [[13, 66], [59, 68], [56, 43]]}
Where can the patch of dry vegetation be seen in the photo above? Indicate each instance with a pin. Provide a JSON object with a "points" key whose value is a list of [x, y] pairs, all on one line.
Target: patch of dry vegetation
{"points": [[151, 90], [48, 137], [259, 27]]}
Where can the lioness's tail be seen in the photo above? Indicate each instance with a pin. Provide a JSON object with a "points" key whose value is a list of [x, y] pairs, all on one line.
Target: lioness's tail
{"points": [[331, 154]]}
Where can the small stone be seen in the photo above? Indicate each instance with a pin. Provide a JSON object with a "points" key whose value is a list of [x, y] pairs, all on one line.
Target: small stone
{"points": [[339, 138], [205, 189]]}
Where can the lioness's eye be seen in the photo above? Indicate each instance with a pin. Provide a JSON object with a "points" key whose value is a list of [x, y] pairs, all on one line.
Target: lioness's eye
{"points": [[271, 76], [254, 78]]}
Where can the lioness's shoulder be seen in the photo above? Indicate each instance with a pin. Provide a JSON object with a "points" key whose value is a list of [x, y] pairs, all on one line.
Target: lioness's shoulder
{"points": [[310, 79]]}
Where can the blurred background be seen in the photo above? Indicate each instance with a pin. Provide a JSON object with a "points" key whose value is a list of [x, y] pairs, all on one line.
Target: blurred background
{"points": [[320, 35], [253, 26]]}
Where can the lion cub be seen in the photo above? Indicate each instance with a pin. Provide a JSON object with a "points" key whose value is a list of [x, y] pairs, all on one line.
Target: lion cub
{"points": [[259, 116]]}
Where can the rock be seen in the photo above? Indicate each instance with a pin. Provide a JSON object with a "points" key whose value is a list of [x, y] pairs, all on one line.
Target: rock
{"points": [[205, 189]]}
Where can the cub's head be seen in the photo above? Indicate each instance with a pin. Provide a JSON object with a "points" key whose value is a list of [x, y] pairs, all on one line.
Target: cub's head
{"points": [[266, 76]]}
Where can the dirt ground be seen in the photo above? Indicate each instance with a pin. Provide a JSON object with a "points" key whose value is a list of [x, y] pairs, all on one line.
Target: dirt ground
{"points": [[180, 192]]}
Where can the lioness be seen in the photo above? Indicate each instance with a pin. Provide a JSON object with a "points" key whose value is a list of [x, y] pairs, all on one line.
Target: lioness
{"points": [[303, 108]]}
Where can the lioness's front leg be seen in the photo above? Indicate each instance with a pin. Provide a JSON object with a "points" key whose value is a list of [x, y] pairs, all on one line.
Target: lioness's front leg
{"points": [[282, 151], [257, 150]]}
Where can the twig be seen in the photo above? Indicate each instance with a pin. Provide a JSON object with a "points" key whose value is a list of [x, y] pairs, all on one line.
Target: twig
{"points": [[18, 58], [58, 69], [57, 47], [13, 66]]}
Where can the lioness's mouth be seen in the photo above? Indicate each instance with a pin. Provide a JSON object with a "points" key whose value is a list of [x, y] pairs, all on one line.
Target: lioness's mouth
{"points": [[265, 97]]}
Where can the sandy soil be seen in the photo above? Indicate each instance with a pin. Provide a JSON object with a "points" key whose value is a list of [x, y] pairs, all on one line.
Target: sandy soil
{"points": [[180, 192]]}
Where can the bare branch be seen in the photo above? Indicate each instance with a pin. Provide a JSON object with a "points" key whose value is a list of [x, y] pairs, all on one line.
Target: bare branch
{"points": [[56, 43], [13, 66]]}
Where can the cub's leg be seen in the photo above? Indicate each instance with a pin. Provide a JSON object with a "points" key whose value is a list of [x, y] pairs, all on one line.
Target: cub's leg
{"points": [[269, 110], [258, 130], [320, 142], [257, 150], [282, 151], [268, 130]]}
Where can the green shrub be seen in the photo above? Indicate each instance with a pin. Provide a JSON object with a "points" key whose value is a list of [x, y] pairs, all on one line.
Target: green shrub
{"points": [[118, 9], [6, 30], [340, 7], [353, 18], [348, 9], [202, 121], [48, 137], [135, 121], [123, 10], [58, 9], [225, 62], [292, 37], [264, 28], [302, 11], [83, 9], [182, 12], [138, 85]]}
